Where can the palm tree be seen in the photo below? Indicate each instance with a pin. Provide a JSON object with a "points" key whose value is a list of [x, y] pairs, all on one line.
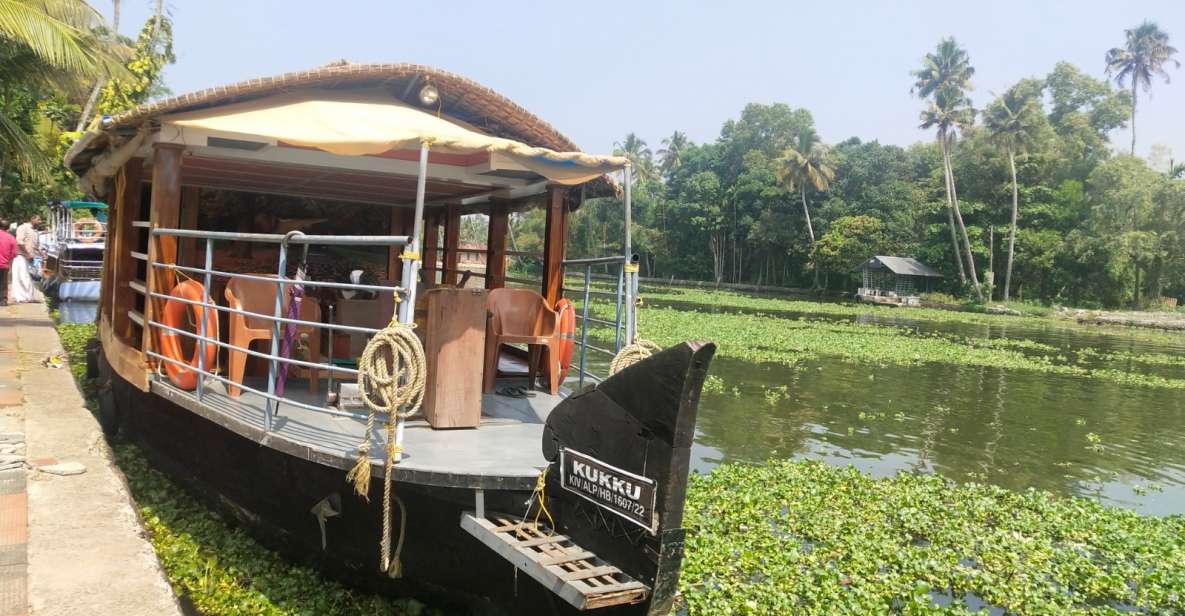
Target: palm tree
{"points": [[944, 77], [1146, 53], [1012, 120], [811, 164], [670, 156], [57, 43], [634, 148]]}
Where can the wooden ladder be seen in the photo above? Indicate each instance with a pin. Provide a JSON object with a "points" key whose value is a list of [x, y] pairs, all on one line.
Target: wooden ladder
{"points": [[573, 573]]}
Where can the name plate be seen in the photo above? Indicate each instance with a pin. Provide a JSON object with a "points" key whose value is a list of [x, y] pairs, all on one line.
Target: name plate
{"points": [[621, 492]]}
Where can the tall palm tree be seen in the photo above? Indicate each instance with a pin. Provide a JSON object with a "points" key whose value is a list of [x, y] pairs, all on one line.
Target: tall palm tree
{"points": [[1145, 54], [807, 164], [634, 148], [944, 78], [1013, 120], [57, 43], [671, 154]]}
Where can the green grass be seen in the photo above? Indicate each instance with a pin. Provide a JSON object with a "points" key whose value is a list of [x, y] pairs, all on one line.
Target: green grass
{"points": [[216, 565], [807, 538]]}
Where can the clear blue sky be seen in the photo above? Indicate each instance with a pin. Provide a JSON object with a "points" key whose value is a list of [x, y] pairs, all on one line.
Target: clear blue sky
{"points": [[599, 70]]}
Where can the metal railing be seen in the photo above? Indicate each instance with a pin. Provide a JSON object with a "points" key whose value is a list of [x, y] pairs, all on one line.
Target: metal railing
{"points": [[276, 318], [586, 293]]}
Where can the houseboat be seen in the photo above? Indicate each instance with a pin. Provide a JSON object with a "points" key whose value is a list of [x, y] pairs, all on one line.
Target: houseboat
{"points": [[285, 312], [72, 259]]}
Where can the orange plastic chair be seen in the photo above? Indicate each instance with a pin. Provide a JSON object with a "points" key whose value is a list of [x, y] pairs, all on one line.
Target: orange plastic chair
{"points": [[522, 316], [260, 296]]}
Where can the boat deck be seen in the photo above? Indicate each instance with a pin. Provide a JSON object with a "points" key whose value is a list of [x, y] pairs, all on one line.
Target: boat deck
{"points": [[503, 452]]}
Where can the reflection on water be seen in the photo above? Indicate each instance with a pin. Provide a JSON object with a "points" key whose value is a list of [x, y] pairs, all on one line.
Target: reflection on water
{"points": [[78, 312], [1013, 428]]}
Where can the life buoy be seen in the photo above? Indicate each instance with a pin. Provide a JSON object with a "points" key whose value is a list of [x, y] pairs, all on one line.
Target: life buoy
{"points": [[567, 325], [176, 315], [88, 231]]}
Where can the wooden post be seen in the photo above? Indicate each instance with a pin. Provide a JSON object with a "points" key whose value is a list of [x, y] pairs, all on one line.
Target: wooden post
{"points": [[555, 237], [165, 212], [190, 204], [397, 226], [431, 246], [119, 251], [452, 242], [496, 244]]}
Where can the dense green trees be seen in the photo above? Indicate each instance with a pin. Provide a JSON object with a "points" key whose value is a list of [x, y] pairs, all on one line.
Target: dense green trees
{"points": [[1034, 196]]}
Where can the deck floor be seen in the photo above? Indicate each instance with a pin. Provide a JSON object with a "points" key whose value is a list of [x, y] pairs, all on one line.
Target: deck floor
{"points": [[504, 451]]}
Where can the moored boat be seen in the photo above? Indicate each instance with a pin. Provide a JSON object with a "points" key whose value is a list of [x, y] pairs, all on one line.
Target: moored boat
{"points": [[282, 317], [73, 250]]}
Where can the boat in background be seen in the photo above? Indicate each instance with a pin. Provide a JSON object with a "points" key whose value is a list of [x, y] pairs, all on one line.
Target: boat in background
{"points": [[72, 264]]}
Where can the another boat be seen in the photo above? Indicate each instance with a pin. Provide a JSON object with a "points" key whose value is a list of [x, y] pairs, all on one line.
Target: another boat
{"points": [[375, 160], [73, 250]]}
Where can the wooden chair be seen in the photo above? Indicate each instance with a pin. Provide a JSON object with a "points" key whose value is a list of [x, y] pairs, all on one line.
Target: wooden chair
{"points": [[260, 296], [522, 316]]}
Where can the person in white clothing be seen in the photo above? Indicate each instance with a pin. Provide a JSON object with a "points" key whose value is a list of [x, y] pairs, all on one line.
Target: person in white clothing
{"points": [[26, 247]]}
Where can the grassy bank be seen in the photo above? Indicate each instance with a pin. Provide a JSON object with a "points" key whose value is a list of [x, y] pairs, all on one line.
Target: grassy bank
{"points": [[210, 563], [804, 537]]}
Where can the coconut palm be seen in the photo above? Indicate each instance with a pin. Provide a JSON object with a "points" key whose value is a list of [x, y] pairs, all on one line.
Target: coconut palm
{"points": [[634, 148], [1145, 54], [670, 156], [1013, 120], [944, 78], [807, 164]]}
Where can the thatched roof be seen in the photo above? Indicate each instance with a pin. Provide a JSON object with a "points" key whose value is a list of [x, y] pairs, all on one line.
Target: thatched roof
{"points": [[461, 98]]}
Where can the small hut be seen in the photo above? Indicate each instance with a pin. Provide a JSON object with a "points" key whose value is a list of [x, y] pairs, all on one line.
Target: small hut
{"points": [[896, 280]]}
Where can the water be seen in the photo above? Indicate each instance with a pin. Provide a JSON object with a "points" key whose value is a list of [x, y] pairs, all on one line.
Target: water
{"points": [[1018, 429]]}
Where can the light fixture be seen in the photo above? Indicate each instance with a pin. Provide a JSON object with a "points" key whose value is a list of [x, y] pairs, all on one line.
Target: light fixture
{"points": [[106, 122], [429, 95]]}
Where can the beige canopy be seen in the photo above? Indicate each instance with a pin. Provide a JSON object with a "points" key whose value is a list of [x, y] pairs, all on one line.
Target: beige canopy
{"points": [[354, 127]]}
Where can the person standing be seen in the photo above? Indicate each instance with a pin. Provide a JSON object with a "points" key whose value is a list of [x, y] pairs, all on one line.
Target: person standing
{"points": [[7, 254], [26, 246]]}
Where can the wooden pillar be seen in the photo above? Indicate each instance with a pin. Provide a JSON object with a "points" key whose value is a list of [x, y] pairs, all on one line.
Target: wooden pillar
{"points": [[431, 250], [190, 204], [452, 242], [555, 237], [496, 244], [119, 250], [396, 225], [165, 212]]}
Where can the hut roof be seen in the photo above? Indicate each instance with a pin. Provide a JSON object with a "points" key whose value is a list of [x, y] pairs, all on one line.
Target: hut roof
{"points": [[906, 266], [461, 98]]}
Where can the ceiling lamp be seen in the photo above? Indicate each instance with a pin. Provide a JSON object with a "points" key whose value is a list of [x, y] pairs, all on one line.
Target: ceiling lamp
{"points": [[429, 95]]}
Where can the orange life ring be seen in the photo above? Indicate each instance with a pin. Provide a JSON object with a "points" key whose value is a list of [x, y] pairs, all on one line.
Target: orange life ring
{"points": [[567, 325], [176, 315], [88, 231]]}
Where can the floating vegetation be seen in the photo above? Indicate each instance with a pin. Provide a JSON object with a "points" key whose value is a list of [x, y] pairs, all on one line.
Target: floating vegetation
{"points": [[804, 537]]}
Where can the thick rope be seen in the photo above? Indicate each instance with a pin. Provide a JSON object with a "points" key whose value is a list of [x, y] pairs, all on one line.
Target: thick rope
{"points": [[391, 375], [634, 352]]}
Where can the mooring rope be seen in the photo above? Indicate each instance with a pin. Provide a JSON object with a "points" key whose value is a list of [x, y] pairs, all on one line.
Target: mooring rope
{"points": [[540, 495], [391, 375], [638, 348]]}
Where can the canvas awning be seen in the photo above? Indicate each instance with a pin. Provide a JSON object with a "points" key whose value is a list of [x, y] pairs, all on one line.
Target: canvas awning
{"points": [[374, 126]]}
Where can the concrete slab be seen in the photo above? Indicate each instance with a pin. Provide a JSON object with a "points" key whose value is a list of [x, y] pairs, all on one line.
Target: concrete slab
{"points": [[86, 550]]}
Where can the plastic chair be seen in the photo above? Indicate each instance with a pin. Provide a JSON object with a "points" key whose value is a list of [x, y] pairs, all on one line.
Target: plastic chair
{"points": [[260, 296], [522, 316]]}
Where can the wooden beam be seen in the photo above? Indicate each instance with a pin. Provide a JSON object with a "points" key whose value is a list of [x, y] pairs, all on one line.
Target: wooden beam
{"points": [[431, 247], [165, 213], [452, 242], [119, 250], [190, 204], [496, 244], [555, 239]]}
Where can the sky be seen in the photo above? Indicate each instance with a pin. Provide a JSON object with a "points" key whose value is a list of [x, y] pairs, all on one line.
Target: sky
{"points": [[597, 71]]}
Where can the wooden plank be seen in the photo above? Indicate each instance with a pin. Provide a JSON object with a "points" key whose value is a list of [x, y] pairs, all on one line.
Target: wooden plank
{"points": [[496, 244], [452, 241], [119, 248], [454, 342], [566, 558], [165, 212], [591, 572], [125, 360], [190, 205], [543, 541], [429, 252]]}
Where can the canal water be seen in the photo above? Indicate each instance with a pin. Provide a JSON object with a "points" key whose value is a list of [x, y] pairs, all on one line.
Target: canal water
{"points": [[1119, 444]]}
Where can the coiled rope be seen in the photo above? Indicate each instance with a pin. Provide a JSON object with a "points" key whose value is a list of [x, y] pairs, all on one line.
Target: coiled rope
{"points": [[391, 374], [638, 348]]}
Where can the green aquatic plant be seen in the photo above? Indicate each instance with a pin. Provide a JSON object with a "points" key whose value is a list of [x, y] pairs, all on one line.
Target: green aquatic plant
{"points": [[808, 538]]}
